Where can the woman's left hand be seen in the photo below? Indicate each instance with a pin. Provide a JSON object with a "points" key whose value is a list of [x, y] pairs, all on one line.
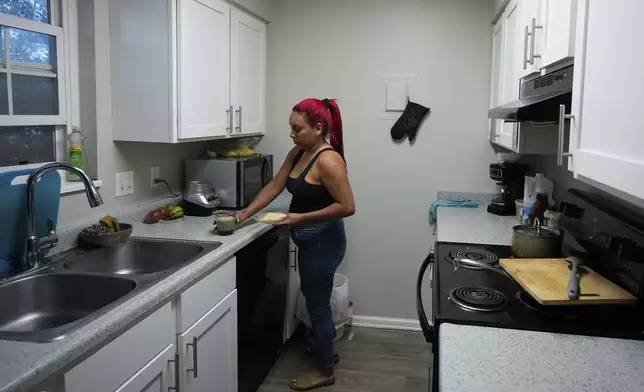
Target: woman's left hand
{"points": [[290, 220]]}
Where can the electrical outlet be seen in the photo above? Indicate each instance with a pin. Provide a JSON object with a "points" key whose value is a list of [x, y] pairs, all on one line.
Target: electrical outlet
{"points": [[154, 174]]}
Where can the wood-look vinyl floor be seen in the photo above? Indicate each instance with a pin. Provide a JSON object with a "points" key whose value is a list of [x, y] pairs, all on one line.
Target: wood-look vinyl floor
{"points": [[373, 360]]}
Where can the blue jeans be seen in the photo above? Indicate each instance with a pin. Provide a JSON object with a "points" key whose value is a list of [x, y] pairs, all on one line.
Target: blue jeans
{"points": [[321, 248]]}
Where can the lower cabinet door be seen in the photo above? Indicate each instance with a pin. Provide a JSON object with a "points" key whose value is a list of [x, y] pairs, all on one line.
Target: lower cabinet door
{"points": [[208, 350], [158, 375]]}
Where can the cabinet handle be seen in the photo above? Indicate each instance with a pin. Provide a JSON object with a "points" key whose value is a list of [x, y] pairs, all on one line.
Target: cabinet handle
{"points": [[294, 266], [240, 119], [175, 388], [229, 114], [533, 35], [525, 47], [238, 128], [194, 371], [560, 147]]}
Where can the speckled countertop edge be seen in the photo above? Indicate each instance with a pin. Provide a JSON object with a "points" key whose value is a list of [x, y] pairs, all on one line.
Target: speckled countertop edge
{"points": [[485, 359], [25, 364]]}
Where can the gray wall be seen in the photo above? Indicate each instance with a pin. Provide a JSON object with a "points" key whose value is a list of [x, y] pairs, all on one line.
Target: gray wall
{"points": [[261, 8], [497, 8], [340, 49]]}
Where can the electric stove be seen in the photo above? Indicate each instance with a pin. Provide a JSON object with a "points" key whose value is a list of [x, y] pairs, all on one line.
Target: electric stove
{"points": [[496, 300]]}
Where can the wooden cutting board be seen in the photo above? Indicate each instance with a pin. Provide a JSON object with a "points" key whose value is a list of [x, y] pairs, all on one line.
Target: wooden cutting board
{"points": [[547, 281]]}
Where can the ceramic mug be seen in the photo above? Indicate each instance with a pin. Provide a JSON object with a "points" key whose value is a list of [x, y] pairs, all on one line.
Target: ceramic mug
{"points": [[225, 224]]}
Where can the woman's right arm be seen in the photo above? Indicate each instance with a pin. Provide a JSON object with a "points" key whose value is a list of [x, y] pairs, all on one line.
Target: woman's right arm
{"points": [[272, 190]]}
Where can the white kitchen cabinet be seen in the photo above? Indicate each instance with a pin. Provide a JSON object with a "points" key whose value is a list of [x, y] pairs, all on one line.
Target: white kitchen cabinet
{"points": [[203, 69], [518, 41], [158, 375], [131, 360], [532, 29], [171, 69], [208, 350], [557, 36], [248, 83], [606, 138], [514, 53], [294, 285], [496, 85]]}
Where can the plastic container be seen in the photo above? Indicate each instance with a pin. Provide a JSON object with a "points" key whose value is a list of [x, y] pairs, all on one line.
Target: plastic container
{"points": [[76, 153], [529, 193], [340, 304], [544, 186], [519, 205]]}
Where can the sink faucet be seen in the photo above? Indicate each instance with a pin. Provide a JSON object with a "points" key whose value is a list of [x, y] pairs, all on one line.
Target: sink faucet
{"points": [[33, 245]]}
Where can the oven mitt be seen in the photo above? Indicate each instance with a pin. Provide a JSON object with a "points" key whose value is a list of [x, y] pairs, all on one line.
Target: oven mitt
{"points": [[409, 121]]}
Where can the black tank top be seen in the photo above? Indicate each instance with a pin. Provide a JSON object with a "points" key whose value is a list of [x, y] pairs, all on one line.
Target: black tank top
{"points": [[307, 197]]}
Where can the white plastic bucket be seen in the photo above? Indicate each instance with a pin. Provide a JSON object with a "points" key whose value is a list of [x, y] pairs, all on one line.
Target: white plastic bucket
{"points": [[339, 304]]}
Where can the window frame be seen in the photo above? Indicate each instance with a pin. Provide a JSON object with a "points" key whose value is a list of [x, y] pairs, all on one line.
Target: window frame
{"points": [[63, 25], [23, 68]]}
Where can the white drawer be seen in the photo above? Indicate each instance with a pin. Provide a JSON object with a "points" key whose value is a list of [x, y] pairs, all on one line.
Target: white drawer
{"points": [[205, 294], [119, 360]]}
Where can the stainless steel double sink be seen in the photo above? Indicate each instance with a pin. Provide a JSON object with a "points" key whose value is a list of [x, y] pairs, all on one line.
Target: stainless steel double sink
{"points": [[52, 301]]}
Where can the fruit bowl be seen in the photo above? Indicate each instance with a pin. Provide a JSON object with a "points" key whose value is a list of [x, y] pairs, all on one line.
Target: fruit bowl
{"points": [[125, 230]]}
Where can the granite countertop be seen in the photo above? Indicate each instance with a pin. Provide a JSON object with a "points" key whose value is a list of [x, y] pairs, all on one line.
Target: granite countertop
{"points": [[472, 225], [483, 359], [25, 364]]}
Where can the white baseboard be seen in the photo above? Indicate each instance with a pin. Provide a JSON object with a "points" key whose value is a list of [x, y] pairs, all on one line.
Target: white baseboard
{"points": [[386, 323]]}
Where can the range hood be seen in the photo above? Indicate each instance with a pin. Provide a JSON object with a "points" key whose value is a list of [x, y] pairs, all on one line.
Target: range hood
{"points": [[539, 98]]}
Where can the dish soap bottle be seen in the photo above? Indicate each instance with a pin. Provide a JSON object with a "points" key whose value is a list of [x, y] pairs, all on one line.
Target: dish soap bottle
{"points": [[76, 153]]}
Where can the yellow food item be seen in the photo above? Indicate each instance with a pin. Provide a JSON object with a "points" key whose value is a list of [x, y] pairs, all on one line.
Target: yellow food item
{"points": [[272, 217], [110, 222], [176, 212], [238, 152]]}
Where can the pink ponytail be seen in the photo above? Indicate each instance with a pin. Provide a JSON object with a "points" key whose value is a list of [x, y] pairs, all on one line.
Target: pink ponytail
{"points": [[327, 113]]}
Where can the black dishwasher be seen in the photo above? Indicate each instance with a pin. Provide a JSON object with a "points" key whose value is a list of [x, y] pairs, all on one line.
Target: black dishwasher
{"points": [[262, 284]]}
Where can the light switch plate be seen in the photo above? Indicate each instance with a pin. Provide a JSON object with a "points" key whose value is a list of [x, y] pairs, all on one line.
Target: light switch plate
{"points": [[123, 184], [396, 95], [129, 182], [119, 184], [397, 89]]}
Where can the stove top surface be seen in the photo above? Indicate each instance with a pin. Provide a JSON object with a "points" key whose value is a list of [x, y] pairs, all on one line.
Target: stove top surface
{"points": [[487, 298]]}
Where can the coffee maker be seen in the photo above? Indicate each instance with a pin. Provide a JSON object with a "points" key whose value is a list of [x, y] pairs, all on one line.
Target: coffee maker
{"points": [[510, 177]]}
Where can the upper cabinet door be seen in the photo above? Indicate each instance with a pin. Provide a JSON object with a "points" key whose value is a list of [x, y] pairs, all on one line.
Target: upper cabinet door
{"points": [[248, 72], [515, 51], [532, 22], [203, 45], [607, 141], [497, 75], [515, 55], [558, 34]]}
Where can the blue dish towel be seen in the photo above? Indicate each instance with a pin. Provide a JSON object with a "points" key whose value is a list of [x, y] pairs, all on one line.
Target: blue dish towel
{"points": [[449, 203]]}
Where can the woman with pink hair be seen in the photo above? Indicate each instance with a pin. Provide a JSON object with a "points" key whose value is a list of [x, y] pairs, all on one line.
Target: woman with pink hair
{"points": [[315, 173]]}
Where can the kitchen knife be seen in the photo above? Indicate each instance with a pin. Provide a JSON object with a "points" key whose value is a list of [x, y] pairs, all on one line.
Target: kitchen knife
{"points": [[573, 282]]}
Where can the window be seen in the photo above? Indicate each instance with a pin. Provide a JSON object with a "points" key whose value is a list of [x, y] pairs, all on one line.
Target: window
{"points": [[34, 103]]}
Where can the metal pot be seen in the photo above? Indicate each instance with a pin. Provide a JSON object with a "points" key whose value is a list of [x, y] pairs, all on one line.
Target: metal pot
{"points": [[535, 242]]}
